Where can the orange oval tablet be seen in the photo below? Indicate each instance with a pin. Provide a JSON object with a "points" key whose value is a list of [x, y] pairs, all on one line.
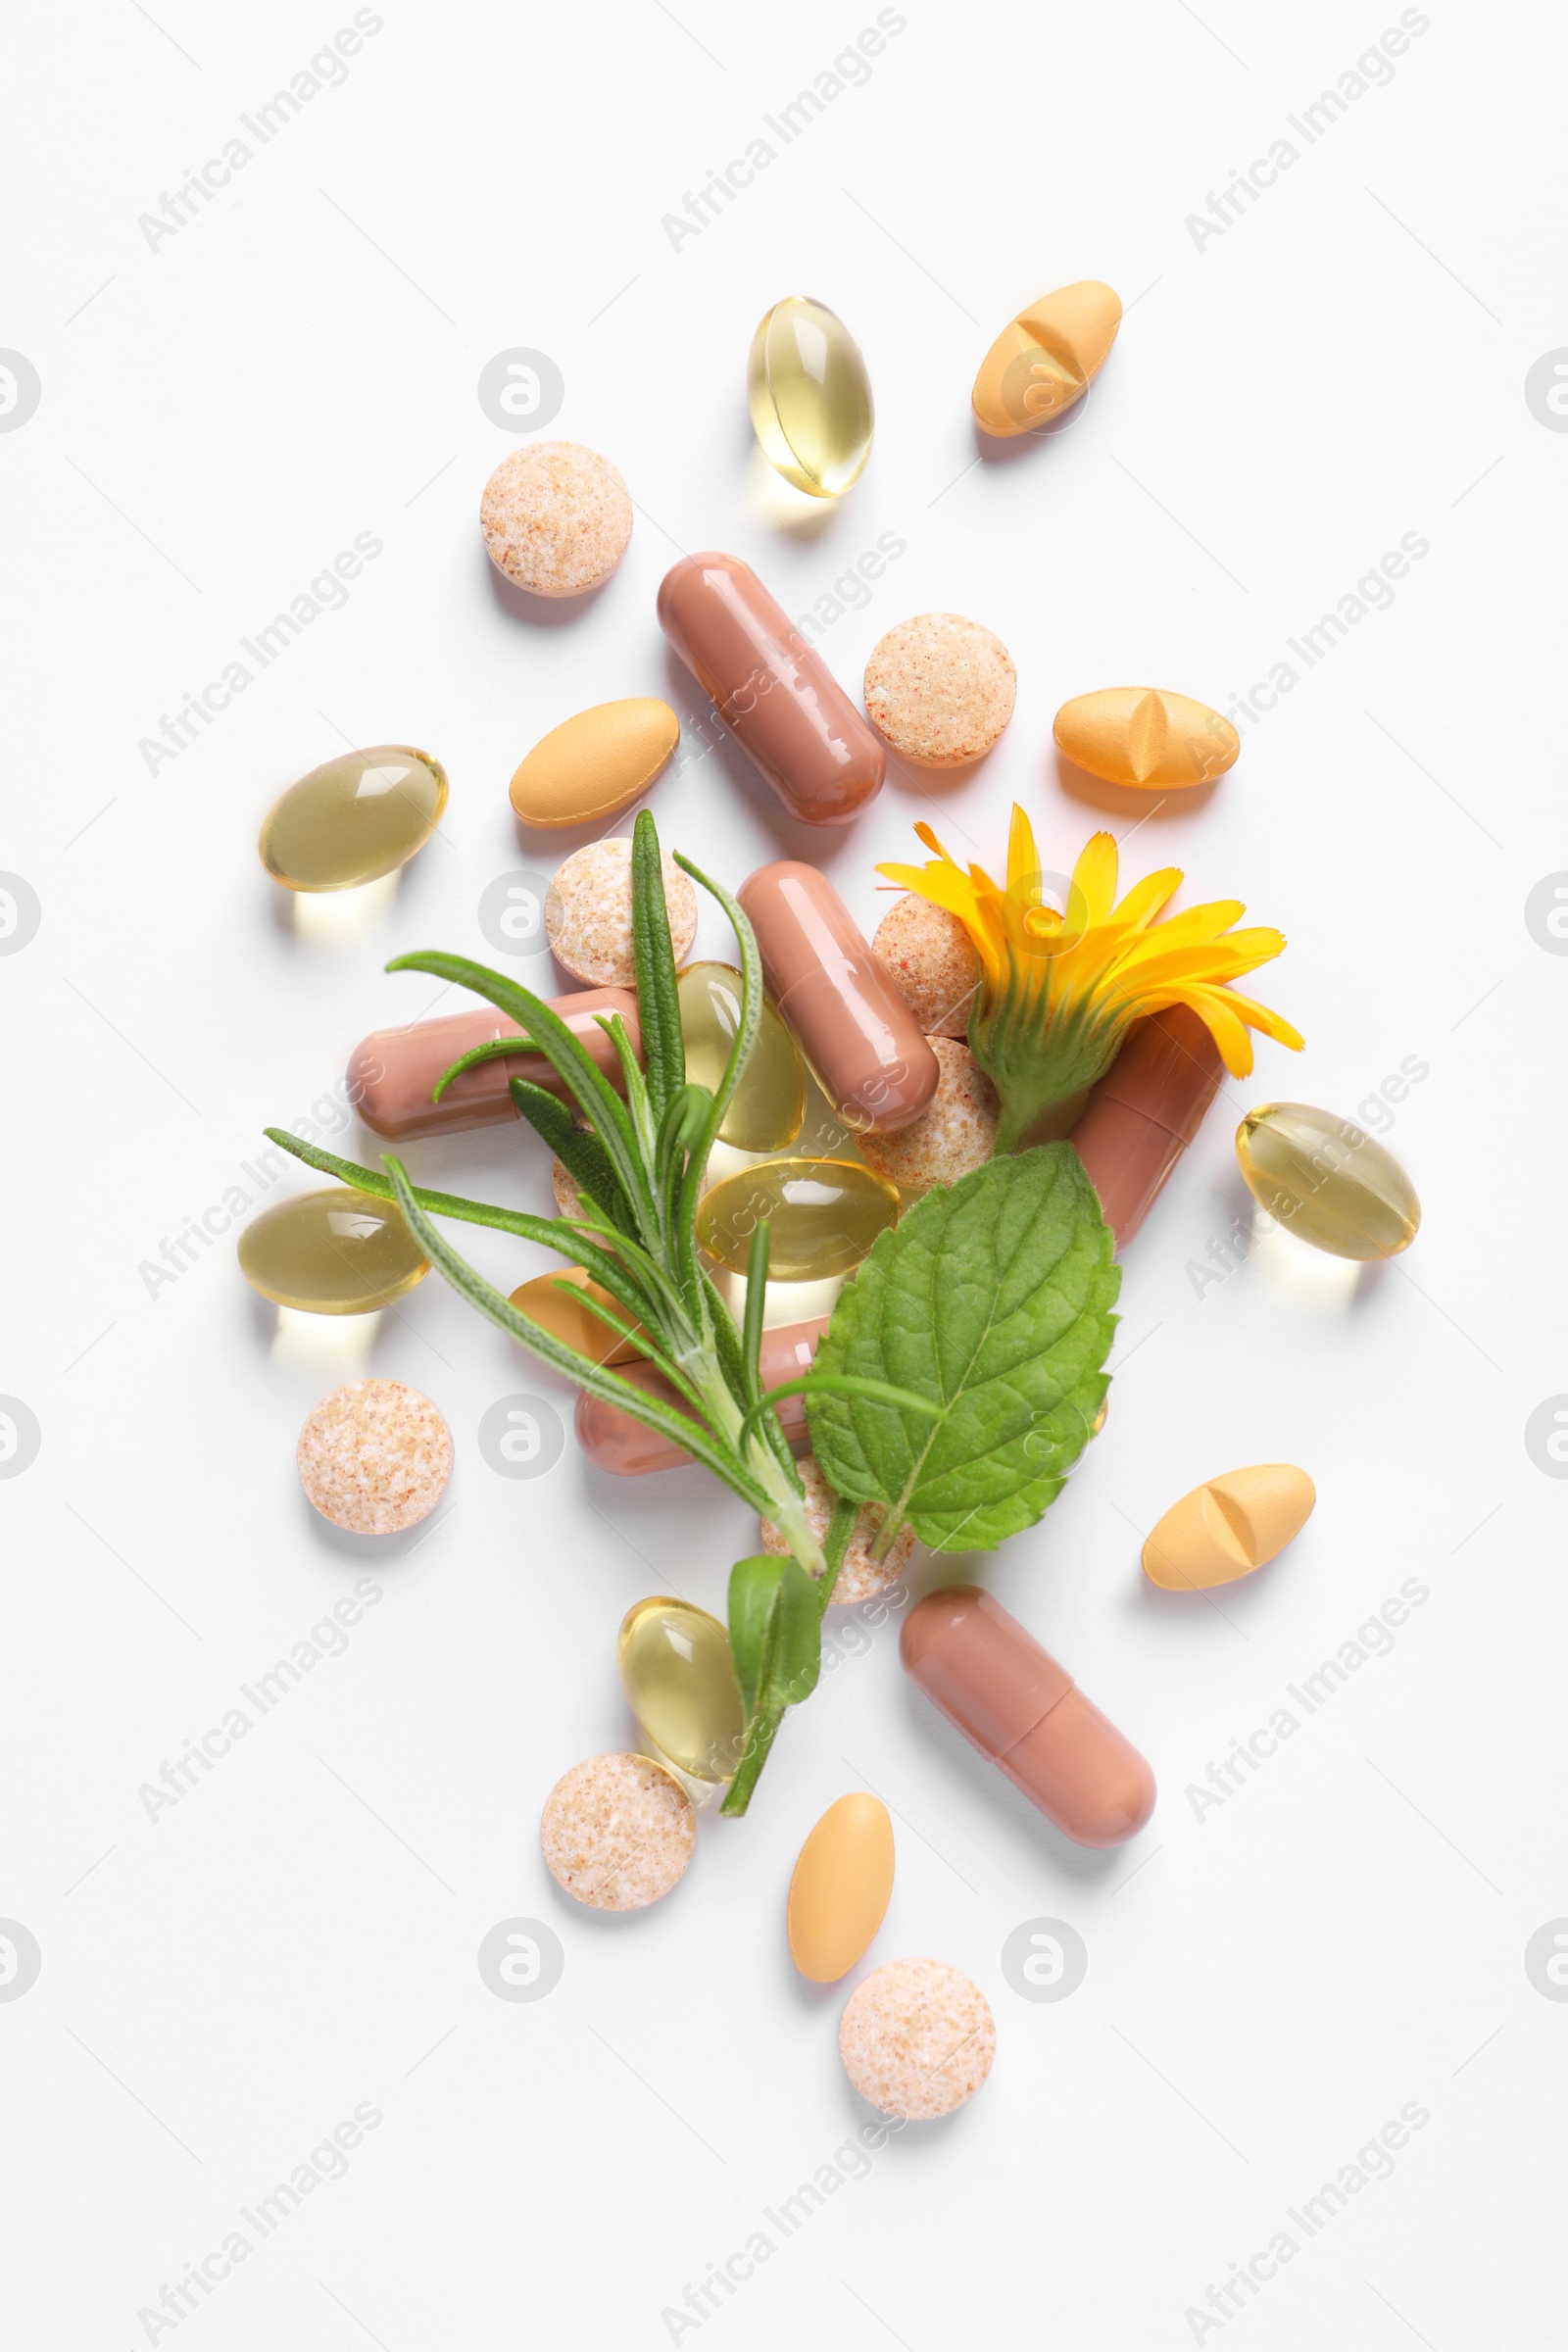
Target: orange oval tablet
{"points": [[595, 764], [1229, 1526], [1046, 359], [557, 1311], [1142, 735], [841, 1886]]}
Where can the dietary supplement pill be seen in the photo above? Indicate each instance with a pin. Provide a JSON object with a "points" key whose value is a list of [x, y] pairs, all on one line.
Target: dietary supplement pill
{"points": [[1145, 1112], [617, 1832], [774, 692], [331, 1252], [353, 819], [1327, 1181], [374, 1457], [1229, 1526], [1142, 736], [839, 1887], [954, 1132], [555, 518], [679, 1679], [588, 914], [931, 957], [811, 397], [392, 1073], [917, 2039], [597, 764], [560, 1311], [939, 689], [1046, 359], [769, 1104], [1025, 1714], [825, 1215], [851, 1024]]}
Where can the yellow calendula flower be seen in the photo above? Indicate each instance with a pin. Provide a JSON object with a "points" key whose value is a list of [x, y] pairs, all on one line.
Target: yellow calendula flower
{"points": [[1058, 992]]}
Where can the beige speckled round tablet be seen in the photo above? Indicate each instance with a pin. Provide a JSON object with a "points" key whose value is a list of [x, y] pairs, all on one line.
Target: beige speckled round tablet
{"points": [[588, 914], [555, 518], [375, 1456], [957, 1132], [563, 1183], [932, 959], [941, 689], [917, 2039], [861, 1576], [617, 1832]]}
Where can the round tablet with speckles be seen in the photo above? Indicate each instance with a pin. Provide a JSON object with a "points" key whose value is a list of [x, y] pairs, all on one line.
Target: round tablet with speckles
{"points": [[932, 959], [375, 1456], [954, 1132], [555, 518], [917, 2039], [941, 689], [861, 1576], [617, 1832], [588, 914]]}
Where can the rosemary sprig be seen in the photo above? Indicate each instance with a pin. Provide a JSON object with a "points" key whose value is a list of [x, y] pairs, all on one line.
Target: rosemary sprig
{"points": [[641, 1170]]}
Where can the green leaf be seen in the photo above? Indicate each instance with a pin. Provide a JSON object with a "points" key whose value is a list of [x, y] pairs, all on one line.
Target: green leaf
{"points": [[579, 1150], [991, 1299], [774, 1632], [657, 1000]]}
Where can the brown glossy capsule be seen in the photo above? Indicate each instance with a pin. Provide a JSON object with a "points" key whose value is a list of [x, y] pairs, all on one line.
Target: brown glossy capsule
{"points": [[779, 698], [629, 1448], [1144, 1113], [1026, 1715], [392, 1072], [848, 1014]]}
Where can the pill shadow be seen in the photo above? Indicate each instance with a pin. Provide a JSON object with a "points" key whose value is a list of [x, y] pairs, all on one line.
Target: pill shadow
{"points": [[934, 784], [1017, 446], [780, 507], [1129, 799], [1223, 1609], [378, 1552], [542, 612]]}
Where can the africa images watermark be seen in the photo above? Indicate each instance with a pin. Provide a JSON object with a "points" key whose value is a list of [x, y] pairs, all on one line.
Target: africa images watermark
{"points": [[850, 2162], [1373, 593], [328, 70], [326, 593], [851, 69], [1373, 70], [328, 2161], [1373, 2161]]}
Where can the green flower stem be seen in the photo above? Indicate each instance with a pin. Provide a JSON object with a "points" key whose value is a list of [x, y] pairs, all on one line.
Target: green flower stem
{"points": [[762, 1730]]}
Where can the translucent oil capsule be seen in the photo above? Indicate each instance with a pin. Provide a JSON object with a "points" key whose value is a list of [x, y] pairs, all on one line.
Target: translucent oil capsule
{"points": [[824, 1215], [676, 1669], [767, 1107], [811, 397], [356, 819], [1327, 1181], [337, 1253]]}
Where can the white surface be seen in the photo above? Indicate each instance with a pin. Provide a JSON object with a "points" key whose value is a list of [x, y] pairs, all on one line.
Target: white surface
{"points": [[299, 1933]]}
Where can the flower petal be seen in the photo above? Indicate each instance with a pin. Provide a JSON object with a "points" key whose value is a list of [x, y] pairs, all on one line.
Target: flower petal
{"points": [[1094, 882]]}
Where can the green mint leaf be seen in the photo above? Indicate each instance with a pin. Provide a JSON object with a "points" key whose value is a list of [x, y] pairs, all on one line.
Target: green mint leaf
{"points": [[774, 1632], [992, 1298]]}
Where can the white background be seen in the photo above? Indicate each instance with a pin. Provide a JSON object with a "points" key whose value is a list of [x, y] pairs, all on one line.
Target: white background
{"points": [[220, 415]]}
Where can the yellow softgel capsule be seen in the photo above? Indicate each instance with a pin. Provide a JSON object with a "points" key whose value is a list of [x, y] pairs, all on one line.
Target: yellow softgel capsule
{"points": [[811, 397], [597, 764], [839, 1892], [768, 1105], [824, 1217], [1142, 736], [1327, 1181], [355, 818], [1229, 1526], [679, 1678], [337, 1253], [1046, 359]]}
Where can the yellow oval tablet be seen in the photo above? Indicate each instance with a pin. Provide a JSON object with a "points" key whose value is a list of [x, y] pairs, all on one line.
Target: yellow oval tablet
{"points": [[1046, 359], [557, 1311], [595, 764], [841, 1887], [1229, 1526], [1141, 735]]}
